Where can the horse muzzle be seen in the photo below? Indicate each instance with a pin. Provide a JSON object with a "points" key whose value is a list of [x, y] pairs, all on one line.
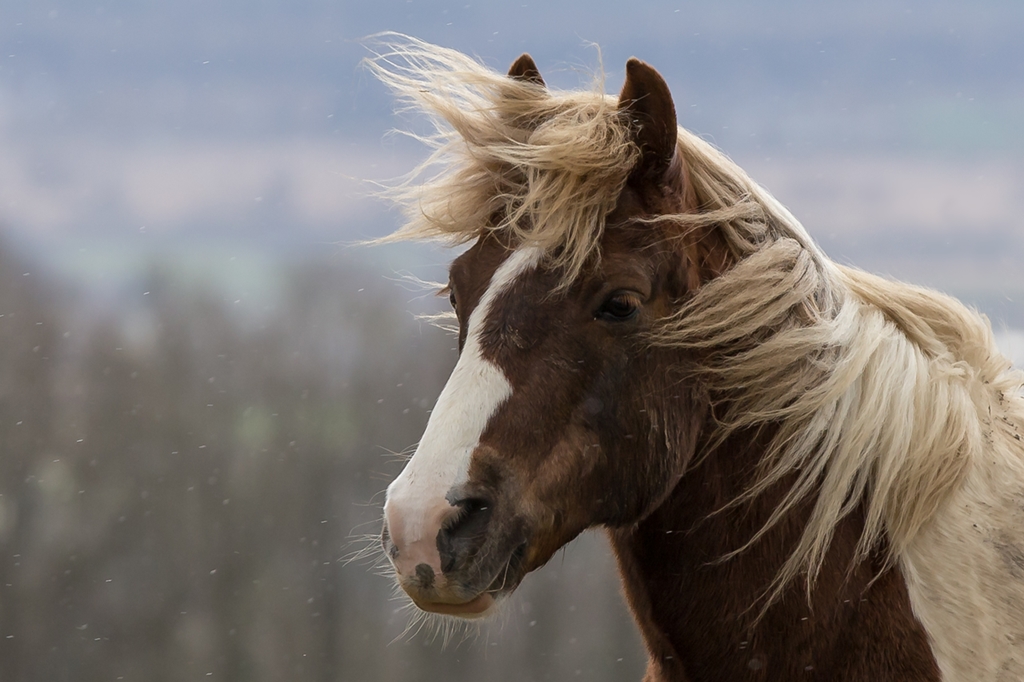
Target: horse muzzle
{"points": [[447, 559]]}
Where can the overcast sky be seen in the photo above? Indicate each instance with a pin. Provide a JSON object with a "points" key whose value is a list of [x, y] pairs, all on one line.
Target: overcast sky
{"points": [[134, 125]]}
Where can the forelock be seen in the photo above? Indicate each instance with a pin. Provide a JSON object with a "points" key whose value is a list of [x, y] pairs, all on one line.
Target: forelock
{"points": [[543, 166]]}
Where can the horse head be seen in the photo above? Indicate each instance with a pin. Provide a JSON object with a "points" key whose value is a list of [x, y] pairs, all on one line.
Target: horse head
{"points": [[555, 418]]}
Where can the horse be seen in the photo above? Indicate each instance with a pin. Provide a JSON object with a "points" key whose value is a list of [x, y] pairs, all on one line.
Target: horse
{"points": [[806, 472]]}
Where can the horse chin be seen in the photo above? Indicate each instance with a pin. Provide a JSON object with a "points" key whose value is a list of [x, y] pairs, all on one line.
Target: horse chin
{"points": [[481, 606], [485, 603]]}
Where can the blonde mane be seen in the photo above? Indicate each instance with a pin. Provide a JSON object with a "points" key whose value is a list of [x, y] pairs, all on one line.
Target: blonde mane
{"points": [[883, 394], [509, 156]]}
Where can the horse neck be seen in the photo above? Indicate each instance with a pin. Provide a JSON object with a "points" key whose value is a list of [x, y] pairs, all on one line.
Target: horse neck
{"points": [[697, 611]]}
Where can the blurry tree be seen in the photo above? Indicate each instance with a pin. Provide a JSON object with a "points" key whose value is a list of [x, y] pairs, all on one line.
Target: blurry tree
{"points": [[179, 484], [28, 342]]}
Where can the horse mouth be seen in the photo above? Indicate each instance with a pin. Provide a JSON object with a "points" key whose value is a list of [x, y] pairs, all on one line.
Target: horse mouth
{"points": [[482, 605], [477, 607]]}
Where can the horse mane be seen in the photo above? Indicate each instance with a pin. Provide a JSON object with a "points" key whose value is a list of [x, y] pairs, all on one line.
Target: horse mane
{"points": [[882, 394], [509, 156]]}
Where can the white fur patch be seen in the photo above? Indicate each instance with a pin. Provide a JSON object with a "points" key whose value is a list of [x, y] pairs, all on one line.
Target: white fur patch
{"points": [[473, 393], [965, 571]]}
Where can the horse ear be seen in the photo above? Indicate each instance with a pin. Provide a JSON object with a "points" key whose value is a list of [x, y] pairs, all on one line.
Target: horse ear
{"points": [[646, 100], [524, 69]]}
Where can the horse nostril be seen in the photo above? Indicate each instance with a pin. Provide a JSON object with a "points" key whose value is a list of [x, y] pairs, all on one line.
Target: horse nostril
{"points": [[471, 519], [425, 574], [385, 540], [464, 532]]}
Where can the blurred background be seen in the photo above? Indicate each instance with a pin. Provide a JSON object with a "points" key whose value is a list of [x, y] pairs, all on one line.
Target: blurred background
{"points": [[204, 386]]}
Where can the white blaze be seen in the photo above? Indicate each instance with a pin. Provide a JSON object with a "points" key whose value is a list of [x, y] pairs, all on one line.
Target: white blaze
{"points": [[473, 393]]}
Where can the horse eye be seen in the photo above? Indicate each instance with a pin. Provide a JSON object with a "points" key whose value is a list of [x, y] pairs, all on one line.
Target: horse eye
{"points": [[451, 299], [620, 307]]}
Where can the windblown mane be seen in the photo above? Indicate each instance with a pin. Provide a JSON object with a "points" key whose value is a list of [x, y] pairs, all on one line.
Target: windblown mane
{"points": [[883, 394], [509, 156]]}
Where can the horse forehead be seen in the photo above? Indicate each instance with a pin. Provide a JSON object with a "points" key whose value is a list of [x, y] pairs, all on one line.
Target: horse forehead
{"points": [[521, 303], [525, 304], [472, 273]]}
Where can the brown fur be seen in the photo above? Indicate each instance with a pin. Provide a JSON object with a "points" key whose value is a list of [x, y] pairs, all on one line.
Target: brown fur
{"points": [[699, 615]]}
